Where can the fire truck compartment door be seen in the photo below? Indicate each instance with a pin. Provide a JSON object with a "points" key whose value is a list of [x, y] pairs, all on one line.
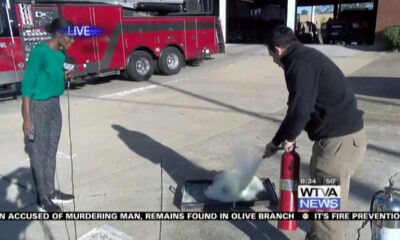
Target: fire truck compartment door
{"points": [[191, 38], [8, 72], [110, 42], [85, 49], [206, 34], [200, 35]]}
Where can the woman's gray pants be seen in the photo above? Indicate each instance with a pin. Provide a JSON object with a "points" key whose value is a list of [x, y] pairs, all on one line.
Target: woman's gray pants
{"points": [[47, 121]]}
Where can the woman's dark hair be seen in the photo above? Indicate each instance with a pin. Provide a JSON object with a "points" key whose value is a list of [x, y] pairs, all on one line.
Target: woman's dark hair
{"points": [[280, 36], [57, 25]]}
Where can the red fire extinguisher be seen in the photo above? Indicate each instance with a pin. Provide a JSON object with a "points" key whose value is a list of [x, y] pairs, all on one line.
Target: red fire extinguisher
{"points": [[290, 167]]}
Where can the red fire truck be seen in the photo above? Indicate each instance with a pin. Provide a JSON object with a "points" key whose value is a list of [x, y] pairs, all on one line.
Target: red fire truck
{"points": [[137, 36]]}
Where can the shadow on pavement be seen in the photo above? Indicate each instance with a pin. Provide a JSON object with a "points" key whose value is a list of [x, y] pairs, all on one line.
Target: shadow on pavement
{"points": [[366, 48], [384, 87], [16, 193], [219, 103], [180, 169], [377, 101], [384, 150], [175, 165]]}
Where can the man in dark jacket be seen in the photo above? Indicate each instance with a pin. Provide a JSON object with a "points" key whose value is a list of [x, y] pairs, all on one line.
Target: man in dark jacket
{"points": [[322, 102]]}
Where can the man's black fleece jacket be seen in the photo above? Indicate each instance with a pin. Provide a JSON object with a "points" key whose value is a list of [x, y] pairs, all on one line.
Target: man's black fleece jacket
{"points": [[321, 99]]}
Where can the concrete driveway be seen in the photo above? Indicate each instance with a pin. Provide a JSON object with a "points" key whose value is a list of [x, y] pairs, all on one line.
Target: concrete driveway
{"points": [[134, 144]]}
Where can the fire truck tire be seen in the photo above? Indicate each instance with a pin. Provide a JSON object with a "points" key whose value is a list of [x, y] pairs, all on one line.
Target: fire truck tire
{"points": [[140, 66], [171, 61]]}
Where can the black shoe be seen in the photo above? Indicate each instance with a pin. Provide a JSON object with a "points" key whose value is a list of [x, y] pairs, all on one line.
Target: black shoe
{"points": [[60, 197], [47, 205], [310, 236]]}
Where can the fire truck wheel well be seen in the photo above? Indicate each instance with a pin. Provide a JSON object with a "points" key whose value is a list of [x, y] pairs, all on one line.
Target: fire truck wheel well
{"points": [[144, 49]]}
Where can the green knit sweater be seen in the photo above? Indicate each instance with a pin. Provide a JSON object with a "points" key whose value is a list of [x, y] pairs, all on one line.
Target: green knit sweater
{"points": [[44, 75]]}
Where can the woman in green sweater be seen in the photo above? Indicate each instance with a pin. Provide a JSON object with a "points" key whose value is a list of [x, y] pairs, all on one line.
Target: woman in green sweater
{"points": [[42, 85]]}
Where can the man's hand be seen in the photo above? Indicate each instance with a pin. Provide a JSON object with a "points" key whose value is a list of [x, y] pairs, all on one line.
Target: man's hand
{"points": [[270, 150], [288, 146]]}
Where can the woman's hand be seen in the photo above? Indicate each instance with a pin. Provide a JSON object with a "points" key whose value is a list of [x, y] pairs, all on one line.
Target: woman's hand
{"points": [[26, 126], [26, 115], [68, 76]]}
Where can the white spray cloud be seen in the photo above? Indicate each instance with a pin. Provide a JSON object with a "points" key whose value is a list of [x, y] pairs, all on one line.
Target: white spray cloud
{"points": [[240, 182]]}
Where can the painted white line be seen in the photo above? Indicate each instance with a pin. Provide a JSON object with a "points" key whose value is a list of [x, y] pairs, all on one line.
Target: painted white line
{"points": [[126, 92], [61, 155], [135, 90], [65, 155]]}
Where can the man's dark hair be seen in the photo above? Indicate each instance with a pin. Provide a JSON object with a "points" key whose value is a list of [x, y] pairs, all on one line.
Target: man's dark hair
{"points": [[281, 36]]}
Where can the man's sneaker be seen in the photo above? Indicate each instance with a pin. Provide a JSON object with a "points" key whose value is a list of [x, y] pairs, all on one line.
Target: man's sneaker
{"points": [[47, 205], [60, 197]]}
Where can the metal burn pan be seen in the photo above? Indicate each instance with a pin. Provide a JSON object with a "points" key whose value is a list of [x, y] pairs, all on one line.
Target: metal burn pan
{"points": [[193, 196]]}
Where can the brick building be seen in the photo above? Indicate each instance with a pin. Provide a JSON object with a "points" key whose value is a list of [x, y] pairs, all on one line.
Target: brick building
{"points": [[387, 15]]}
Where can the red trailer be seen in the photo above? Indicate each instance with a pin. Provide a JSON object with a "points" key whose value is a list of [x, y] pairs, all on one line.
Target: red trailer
{"points": [[130, 42]]}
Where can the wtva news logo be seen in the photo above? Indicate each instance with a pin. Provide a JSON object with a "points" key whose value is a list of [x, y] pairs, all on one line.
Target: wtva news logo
{"points": [[82, 31], [318, 197]]}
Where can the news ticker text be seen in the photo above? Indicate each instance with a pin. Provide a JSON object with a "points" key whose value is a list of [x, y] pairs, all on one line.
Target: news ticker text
{"points": [[195, 216]]}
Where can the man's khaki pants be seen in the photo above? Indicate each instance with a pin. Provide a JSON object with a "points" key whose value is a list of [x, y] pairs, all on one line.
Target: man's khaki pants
{"points": [[336, 158]]}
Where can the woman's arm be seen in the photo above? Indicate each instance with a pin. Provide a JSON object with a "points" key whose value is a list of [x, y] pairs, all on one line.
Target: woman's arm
{"points": [[32, 72], [26, 114]]}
